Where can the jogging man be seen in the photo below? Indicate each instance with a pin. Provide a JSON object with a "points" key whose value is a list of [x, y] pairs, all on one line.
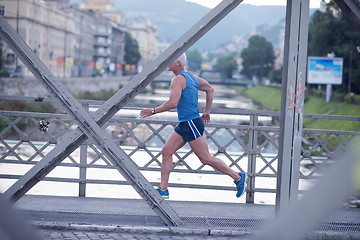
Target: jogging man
{"points": [[184, 96]]}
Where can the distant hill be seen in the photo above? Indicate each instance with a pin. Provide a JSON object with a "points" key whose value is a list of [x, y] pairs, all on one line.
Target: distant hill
{"points": [[175, 17]]}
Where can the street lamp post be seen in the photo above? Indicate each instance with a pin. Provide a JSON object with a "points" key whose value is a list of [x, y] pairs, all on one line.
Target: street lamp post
{"points": [[349, 80], [17, 30]]}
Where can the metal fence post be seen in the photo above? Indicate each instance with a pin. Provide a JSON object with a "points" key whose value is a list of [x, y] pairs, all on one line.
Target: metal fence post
{"points": [[83, 161], [252, 158]]}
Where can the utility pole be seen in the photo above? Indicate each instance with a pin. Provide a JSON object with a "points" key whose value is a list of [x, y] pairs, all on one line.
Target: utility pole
{"points": [[349, 80], [350, 65], [64, 63]]}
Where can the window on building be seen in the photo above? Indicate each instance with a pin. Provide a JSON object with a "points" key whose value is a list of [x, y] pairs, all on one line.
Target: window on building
{"points": [[10, 58], [2, 10]]}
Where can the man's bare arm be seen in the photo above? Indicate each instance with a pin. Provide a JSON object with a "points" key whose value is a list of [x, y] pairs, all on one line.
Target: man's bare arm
{"points": [[209, 90], [206, 87], [174, 97]]}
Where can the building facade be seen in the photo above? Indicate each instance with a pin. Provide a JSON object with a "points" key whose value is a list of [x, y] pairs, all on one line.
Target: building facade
{"points": [[106, 7], [47, 30], [84, 41], [72, 42], [146, 33], [109, 37], [117, 49]]}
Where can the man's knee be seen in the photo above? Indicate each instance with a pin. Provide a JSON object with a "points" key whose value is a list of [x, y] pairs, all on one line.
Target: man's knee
{"points": [[166, 152], [208, 159], [205, 160]]}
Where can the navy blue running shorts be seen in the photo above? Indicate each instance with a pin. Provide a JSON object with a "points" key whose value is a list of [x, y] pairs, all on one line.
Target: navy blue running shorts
{"points": [[190, 130]]}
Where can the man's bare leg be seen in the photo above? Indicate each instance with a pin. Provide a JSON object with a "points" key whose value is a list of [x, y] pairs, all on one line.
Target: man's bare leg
{"points": [[201, 149], [174, 143]]}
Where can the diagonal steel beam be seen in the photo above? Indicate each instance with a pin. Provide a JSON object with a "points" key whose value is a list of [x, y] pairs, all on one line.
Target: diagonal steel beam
{"points": [[351, 9], [90, 127]]}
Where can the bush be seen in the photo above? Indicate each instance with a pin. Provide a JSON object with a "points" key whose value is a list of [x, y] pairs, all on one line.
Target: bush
{"points": [[319, 93], [27, 106], [3, 123], [103, 94], [341, 98], [357, 99], [349, 98], [337, 97]]}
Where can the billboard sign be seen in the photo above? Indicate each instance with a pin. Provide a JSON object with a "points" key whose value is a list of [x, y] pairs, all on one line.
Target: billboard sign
{"points": [[325, 70]]}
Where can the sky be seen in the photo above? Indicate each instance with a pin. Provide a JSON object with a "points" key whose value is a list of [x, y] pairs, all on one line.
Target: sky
{"points": [[213, 3]]}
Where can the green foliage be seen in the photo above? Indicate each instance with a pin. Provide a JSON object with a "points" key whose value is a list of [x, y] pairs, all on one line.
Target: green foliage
{"points": [[99, 95], [24, 107], [336, 96], [331, 31], [27, 106], [132, 54], [194, 59], [103, 94], [3, 123], [226, 64], [270, 99], [275, 76], [258, 57]]}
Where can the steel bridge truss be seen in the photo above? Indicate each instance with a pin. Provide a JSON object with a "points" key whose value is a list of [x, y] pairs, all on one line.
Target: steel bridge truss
{"points": [[89, 126], [250, 147]]}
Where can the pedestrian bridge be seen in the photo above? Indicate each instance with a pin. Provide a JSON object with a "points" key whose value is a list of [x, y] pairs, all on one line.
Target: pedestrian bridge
{"points": [[249, 146], [119, 219]]}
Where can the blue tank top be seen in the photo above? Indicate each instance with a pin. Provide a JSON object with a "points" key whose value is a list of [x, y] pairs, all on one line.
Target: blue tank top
{"points": [[187, 107]]}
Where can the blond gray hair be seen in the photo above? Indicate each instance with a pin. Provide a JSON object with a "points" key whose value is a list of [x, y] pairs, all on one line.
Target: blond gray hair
{"points": [[182, 59]]}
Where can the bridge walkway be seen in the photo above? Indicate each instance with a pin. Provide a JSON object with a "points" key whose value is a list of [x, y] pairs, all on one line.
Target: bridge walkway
{"points": [[57, 217]]}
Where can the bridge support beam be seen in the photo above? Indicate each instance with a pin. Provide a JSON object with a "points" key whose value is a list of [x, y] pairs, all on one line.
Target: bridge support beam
{"points": [[292, 102], [351, 9], [90, 126]]}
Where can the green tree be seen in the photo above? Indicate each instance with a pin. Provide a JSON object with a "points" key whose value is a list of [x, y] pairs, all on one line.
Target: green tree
{"points": [[258, 58], [275, 76], [331, 31], [226, 64], [132, 54], [194, 59]]}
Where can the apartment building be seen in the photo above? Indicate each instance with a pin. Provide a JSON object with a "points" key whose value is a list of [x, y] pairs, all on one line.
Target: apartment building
{"points": [[106, 7], [109, 36], [84, 40], [145, 32], [47, 30], [76, 41]]}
